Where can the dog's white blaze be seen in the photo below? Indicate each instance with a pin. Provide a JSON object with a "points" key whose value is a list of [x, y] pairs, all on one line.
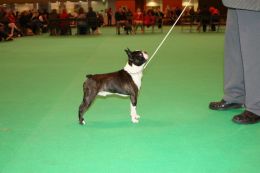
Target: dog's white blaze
{"points": [[145, 56]]}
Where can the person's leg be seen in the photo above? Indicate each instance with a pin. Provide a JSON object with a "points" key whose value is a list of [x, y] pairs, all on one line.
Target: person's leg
{"points": [[11, 26], [234, 89], [249, 27]]}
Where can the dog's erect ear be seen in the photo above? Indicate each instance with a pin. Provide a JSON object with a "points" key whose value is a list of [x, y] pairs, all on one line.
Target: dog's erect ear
{"points": [[129, 53]]}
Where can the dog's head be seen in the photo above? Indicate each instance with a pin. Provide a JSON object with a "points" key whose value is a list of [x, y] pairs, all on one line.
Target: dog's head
{"points": [[137, 58]]}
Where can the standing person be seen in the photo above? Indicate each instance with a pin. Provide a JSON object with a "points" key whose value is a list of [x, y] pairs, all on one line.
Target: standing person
{"points": [[109, 17], [81, 22], [214, 17], [53, 22], [204, 17], [92, 20], [242, 61]]}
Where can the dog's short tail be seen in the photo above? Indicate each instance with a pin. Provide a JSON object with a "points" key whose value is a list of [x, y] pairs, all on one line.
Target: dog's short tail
{"points": [[89, 75]]}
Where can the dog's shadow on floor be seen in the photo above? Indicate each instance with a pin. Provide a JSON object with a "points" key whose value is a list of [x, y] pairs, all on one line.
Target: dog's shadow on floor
{"points": [[143, 123], [126, 123]]}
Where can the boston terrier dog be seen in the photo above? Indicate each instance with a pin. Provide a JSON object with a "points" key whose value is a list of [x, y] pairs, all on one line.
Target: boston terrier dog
{"points": [[125, 82]]}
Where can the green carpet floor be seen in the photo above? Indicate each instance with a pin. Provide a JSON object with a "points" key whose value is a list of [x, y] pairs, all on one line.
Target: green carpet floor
{"points": [[41, 89]]}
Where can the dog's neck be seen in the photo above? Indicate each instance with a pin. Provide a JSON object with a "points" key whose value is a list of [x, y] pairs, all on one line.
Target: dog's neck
{"points": [[133, 69], [136, 72]]}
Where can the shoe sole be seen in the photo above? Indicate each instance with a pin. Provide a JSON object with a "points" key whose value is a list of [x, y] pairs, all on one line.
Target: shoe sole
{"points": [[229, 108], [245, 123]]}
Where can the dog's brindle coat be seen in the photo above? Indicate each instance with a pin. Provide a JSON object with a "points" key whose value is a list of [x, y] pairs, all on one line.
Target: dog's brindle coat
{"points": [[125, 82]]}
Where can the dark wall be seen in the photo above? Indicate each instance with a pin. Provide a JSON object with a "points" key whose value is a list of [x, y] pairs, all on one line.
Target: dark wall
{"points": [[140, 4]]}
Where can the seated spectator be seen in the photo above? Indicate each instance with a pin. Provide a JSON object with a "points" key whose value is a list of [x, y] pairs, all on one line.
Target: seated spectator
{"points": [[64, 23], [100, 19], [82, 23], [43, 18], [92, 21], [170, 15], [149, 19], [25, 23], [35, 23], [12, 24], [129, 21], [121, 19], [2, 13], [138, 20], [2, 26], [3, 34], [53, 22], [158, 17]]}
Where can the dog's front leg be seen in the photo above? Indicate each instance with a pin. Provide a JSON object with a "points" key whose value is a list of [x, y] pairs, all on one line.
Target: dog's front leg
{"points": [[134, 115]]}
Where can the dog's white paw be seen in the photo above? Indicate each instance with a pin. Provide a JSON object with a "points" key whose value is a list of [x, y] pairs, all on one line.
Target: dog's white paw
{"points": [[137, 116], [82, 122], [135, 120]]}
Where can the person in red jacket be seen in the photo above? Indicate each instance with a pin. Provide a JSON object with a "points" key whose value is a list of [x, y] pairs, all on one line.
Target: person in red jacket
{"points": [[149, 18], [138, 20], [64, 24], [12, 23]]}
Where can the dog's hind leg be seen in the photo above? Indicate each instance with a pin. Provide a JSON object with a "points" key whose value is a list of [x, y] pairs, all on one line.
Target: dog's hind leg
{"points": [[82, 109], [88, 98]]}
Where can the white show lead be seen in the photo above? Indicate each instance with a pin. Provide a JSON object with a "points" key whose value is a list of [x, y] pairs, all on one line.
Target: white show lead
{"points": [[187, 4]]}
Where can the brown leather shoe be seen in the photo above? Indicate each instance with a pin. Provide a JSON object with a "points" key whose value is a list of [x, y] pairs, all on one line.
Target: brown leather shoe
{"points": [[223, 105], [246, 117]]}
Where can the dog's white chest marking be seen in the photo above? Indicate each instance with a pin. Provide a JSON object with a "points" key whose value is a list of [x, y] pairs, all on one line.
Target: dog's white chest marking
{"points": [[136, 73], [105, 93], [137, 78]]}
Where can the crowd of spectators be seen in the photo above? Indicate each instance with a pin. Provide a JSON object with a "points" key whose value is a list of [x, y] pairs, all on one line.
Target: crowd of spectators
{"points": [[34, 22], [130, 21], [87, 22], [26, 23], [203, 16], [207, 16]]}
